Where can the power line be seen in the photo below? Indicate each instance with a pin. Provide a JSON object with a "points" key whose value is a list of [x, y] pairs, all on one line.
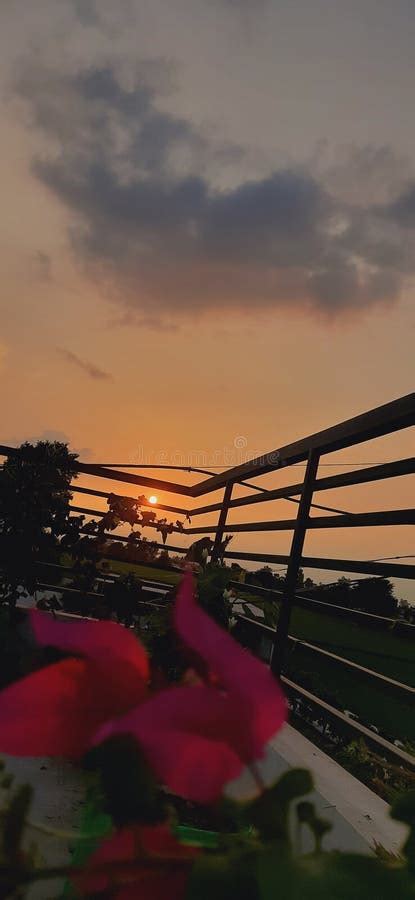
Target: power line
{"points": [[207, 472], [384, 558]]}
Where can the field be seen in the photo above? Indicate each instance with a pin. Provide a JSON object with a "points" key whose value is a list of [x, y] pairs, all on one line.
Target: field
{"points": [[387, 708], [147, 573], [390, 710], [381, 650], [377, 648]]}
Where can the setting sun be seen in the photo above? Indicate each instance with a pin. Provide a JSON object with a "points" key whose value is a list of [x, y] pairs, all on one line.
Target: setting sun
{"points": [[152, 499]]}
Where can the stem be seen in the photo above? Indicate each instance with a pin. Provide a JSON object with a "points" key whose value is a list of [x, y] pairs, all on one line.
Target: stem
{"points": [[65, 835]]}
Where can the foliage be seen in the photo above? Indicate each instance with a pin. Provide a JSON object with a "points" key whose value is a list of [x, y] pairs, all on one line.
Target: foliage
{"points": [[211, 583], [260, 860], [386, 778], [34, 512], [142, 849], [372, 595]]}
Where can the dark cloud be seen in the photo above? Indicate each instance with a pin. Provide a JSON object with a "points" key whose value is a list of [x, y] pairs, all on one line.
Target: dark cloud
{"points": [[402, 210], [150, 221], [89, 368]]}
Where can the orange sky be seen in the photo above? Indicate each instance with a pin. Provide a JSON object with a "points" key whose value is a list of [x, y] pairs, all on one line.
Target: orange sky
{"points": [[125, 376]]}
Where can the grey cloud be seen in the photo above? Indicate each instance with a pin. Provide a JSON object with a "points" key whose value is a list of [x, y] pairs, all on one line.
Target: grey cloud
{"points": [[402, 210], [86, 11], [149, 220], [366, 176], [89, 368]]}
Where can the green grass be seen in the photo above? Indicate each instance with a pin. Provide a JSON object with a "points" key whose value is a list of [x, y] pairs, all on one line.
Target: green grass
{"points": [[373, 701], [146, 572], [384, 651]]}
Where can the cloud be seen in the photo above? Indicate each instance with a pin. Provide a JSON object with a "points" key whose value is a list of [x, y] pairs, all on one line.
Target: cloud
{"points": [[86, 12], [150, 221], [89, 368], [402, 210]]}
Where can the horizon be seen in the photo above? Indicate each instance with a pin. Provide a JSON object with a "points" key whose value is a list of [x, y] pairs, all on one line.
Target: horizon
{"points": [[208, 234]]}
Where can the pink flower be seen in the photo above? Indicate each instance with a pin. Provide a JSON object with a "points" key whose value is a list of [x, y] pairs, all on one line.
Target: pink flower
{"points": [[199, 739], [56, 710], [144, 862]]}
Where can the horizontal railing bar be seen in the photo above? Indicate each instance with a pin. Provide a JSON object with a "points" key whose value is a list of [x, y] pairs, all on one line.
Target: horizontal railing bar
{"points": [[340, 659], [115, 475], [62, 589], [107, 494], [327, 606], [120, 537], [387, 570], [128, 478], [344, 479], [352, 520], [384, 419], [354, 665], [84, 510], [109, 577], [351, 723]]}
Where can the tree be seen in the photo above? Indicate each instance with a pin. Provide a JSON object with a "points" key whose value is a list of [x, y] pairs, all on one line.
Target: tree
{"points": [[123, 597], [374, 595], [34, 512], [265, 578]]}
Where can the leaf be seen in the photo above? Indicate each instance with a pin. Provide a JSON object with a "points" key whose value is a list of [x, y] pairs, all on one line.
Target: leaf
{"points": [[269, 813], [404, 811], [329, 876], [306, 814], [14, 822], [223, 877]]}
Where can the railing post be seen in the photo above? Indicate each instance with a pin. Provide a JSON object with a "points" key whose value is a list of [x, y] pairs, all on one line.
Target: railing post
{"points": [[281, 634], [221, 522]]}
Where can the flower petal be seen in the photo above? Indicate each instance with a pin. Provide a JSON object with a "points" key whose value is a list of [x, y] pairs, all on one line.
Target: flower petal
{"points": [[114, 649], [187, 735], [54, 711], [144, 845], [256, 695]]}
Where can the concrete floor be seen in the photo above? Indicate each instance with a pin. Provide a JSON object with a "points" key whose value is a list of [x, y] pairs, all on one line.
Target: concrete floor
{"points": [[57, 803], [359, 818]]}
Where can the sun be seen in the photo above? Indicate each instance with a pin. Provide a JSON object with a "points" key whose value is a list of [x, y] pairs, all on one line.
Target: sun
{"points": [[152, 499]]}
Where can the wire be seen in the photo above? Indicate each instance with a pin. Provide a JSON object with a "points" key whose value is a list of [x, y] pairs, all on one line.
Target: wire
{"points": [[225, 468], [384, 558]]}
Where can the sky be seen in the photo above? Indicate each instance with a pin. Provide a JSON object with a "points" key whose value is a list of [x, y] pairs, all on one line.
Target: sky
{"points": [[207, 231]]}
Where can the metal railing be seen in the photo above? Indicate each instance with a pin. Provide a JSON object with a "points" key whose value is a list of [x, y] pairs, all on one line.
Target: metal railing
{"points": [[384, 420]]}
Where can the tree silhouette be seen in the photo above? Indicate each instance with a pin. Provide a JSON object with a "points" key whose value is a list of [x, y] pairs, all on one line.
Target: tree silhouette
{"points": [[34, 513]]}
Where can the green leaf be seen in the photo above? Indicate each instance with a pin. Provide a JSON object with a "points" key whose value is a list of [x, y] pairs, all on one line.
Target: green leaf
{"points": [[269, 813], [223, 877], [330, 876], [403, 810], [14, 822], [306, 814]]}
